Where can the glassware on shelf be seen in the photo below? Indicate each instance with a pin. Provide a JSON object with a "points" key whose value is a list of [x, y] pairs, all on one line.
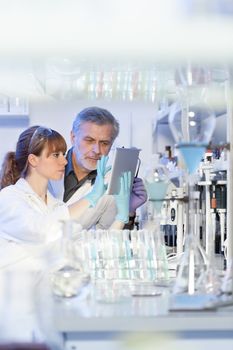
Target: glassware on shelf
{"points": [[68, 277], [193, 82], [192, 76]]}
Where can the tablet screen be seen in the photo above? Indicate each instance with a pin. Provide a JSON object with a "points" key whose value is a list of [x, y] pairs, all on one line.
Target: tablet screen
{"points": [[125, 159]]}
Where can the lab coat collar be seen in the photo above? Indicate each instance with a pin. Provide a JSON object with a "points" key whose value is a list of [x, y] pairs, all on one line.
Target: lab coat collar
{"points": [[24, 186]]}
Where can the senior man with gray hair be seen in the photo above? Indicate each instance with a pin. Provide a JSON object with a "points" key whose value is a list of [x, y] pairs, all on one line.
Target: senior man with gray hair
{"points": [[93, 133]]}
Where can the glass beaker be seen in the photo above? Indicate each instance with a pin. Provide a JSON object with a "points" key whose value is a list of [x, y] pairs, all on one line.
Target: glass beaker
{"points": [[68, 277]]}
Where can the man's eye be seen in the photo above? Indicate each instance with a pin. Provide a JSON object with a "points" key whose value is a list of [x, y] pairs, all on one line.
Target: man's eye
{"points": [[89, 140], [105, 143]]}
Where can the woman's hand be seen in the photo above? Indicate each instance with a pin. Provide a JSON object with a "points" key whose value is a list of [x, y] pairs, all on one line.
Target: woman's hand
{"points": [[99, 187]]}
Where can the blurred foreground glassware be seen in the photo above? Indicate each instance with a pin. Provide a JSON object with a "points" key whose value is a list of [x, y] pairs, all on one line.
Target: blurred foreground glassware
{"points": [[20, 327], [68, 277], [17, 323], [46, 307]]}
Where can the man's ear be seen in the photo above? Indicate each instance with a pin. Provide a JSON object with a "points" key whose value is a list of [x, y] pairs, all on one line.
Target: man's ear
{"points": [[72, 137], [33, 160]]}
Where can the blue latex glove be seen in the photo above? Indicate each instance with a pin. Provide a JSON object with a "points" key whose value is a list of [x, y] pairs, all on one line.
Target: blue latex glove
{"points": [[138, 195], [99, 187], [122, 198]]}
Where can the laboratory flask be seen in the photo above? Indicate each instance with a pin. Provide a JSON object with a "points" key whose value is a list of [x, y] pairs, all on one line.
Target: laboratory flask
{"points": [[68, 277], [191, 267]]}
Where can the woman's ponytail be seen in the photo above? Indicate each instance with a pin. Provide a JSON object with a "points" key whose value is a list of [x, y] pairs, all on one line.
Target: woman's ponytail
{"points": [[9, 172]]}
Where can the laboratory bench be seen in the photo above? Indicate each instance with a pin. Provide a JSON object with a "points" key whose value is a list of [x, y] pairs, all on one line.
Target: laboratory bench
{"points": [[89, 324]]}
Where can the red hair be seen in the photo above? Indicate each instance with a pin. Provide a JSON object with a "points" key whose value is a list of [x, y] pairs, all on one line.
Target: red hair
{"points": [[31, 141]]}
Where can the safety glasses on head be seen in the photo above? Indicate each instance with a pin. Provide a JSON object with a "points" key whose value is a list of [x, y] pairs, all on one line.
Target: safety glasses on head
{"points": [[41, 134]]}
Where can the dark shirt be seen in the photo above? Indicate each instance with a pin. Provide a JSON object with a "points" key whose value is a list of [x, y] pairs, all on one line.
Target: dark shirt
{"points": [[71, 183]]}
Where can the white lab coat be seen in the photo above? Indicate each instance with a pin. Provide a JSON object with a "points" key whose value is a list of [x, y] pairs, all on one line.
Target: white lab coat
{"points": [[25, 218], [101, 216]]}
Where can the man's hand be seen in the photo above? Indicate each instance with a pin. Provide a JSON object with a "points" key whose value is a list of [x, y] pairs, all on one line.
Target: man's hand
{"points": [[138, 195], [122, 198]]}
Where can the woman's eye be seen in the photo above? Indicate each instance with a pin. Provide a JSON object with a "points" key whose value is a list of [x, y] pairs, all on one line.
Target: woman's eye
{"points": [[56, 155]]}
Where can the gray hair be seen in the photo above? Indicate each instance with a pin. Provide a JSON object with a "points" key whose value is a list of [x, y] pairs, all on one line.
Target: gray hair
{"points": [[97, 116]]}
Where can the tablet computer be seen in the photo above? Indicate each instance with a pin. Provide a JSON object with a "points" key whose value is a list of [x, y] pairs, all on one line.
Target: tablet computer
{"points": [[125, 159]]}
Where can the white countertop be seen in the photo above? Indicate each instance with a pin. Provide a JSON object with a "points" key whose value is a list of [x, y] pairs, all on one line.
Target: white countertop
{"points": [[136, 314]]}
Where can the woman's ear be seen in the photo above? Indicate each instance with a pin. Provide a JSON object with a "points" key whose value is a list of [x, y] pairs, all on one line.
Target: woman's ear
{"points": [[33, 160]]}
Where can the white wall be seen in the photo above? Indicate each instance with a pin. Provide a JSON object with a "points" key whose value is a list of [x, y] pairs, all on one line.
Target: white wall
{"points": [[8, 138], [59, 115]]}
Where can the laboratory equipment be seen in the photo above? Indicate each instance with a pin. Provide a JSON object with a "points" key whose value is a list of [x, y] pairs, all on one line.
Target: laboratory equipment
{"points": [[174, 222], [192, 123], [192, 266], [213, 188], [209, 205], [156, 183]]}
